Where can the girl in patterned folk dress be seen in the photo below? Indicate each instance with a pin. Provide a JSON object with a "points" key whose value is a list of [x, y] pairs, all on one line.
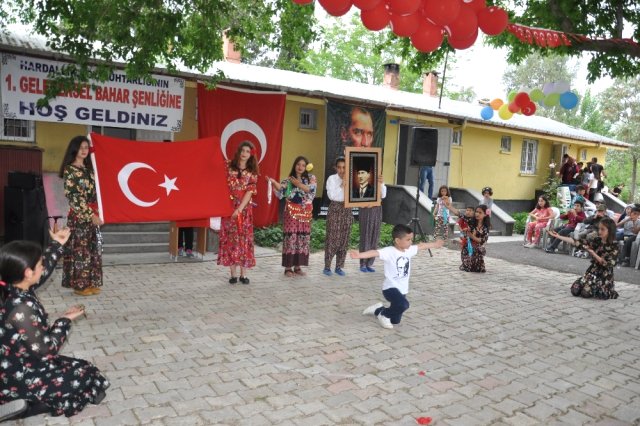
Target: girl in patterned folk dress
{"points": [[441, 213], [298, 190], [339, 221], [32, 369], [476, 234], [597, 281], [236, 231], [82, 261]]}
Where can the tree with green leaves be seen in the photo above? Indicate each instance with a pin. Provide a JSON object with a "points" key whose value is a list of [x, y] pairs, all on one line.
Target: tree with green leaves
{"points": [[149, 33], [621, 106]]}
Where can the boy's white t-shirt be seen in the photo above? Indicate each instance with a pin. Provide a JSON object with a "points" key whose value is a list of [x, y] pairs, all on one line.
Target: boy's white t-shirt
{"points": [[397, 267]]}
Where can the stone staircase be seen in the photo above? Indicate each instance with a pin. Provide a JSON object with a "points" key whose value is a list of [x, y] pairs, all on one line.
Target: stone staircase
{"points": [[136, 238]]}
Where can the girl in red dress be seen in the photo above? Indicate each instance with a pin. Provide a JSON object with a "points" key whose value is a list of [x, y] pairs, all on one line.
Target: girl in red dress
{"points": [[236, 232]]}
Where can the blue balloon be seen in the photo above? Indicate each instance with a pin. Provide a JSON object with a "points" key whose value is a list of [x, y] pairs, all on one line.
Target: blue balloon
{"points": [[486, 113], [568, 100]]}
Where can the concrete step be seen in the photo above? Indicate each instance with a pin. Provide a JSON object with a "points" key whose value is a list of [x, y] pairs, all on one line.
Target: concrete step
{"points": [[136, 248], [136, 227], [135, 237]]}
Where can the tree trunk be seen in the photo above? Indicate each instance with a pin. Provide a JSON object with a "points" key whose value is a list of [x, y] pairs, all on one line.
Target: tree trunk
{"points": [[634, 176]]}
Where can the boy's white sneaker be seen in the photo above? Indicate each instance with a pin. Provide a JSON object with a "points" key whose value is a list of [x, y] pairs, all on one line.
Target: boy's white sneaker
{"points": [[372, 309], [384, 321]]}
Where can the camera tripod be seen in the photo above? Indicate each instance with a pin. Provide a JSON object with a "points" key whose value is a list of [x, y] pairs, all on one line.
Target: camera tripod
{"points": [[414, 223]]}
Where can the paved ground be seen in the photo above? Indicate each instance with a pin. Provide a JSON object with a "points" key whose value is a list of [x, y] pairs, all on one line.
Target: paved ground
{"points": [[512, 346]]}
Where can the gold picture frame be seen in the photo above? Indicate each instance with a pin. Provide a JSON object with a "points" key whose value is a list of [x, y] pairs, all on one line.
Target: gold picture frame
{"points": [[361, 186]]}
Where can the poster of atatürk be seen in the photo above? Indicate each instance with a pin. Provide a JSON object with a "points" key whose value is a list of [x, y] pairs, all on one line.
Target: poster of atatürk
{"points": [[351, 126]]}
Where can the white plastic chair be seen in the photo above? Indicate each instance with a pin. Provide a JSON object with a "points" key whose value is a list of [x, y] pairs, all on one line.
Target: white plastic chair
{"points": [[551, 224]]}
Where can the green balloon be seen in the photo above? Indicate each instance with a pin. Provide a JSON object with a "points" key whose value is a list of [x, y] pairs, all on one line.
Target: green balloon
{"points": [[512, 94], [552, 99], [536, 95]]}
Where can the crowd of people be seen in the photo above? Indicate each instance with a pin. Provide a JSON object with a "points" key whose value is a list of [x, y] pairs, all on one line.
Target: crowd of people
{"points": [[36, 379]]}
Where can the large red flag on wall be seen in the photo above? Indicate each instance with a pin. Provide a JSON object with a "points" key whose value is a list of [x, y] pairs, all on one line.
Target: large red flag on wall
{"points": [[154, 181], [235, 115]]}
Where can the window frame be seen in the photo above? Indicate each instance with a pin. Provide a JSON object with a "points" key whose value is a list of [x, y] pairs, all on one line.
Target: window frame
{"points": [[312, 114], [31, 125], [504, 138], [456, 138], [529, 166]]}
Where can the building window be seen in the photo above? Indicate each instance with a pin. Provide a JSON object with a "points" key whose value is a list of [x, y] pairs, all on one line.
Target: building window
{"points": [[115, 132], [308, 119], [583, 154], [505, 144], [12, 129], [457, 138], [565, 150], [529, 158]]}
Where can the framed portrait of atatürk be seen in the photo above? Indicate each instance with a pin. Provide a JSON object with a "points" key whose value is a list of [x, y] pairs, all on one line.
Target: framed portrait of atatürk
{"points": [[363, 167]]}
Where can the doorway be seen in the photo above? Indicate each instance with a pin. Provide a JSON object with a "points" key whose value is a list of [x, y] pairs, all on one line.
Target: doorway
{"points": [[408, 174]]}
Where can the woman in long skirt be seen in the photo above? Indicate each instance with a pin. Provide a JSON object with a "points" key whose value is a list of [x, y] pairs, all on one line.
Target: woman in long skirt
{"points": [[82, 261], [597, 281], [298, 190], [370, 219], [339, 221], [236, 231]]}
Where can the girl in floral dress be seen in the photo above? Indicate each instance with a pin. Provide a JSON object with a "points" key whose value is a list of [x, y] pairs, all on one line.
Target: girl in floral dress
{"points": [[31, 367], [597, 281], [298, 190], [236, 231], [82, 261]]}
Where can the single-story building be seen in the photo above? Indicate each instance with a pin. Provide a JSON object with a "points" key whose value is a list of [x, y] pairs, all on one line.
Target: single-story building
{"points": [[512, 156]]}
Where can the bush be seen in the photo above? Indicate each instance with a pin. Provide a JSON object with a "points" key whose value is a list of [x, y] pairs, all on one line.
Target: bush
{"points": [[520, 222], [272, 236]]}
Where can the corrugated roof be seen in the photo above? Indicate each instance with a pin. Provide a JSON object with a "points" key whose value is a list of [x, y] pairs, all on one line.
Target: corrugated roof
{"points": [[327, 87]]}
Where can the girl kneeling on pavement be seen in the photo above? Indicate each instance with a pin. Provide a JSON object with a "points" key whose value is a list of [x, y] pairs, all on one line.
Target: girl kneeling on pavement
{"points": [[597, 281], [34, 377]]}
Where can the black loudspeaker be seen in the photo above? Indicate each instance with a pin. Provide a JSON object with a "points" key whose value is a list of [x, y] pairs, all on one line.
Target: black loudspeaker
{"points": [[24, 180], [424, 147], [25, 215]]}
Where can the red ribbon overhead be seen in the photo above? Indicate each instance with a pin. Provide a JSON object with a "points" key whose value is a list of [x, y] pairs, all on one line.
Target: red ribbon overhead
{"points": [[550, 38]]}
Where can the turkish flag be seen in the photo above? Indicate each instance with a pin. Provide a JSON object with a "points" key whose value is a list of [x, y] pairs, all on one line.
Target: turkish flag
{"points": [[158, 181], [236, 115]]}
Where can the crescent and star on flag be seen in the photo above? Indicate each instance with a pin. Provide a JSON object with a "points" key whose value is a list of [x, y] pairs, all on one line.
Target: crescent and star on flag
{"points": [[169, 184]]}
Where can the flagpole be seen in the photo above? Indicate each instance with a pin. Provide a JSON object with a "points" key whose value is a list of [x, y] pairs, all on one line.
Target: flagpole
{"points": [[96, 180]]}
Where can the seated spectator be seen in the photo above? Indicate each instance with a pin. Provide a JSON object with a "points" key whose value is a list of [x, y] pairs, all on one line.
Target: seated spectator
{"points": [[621, 221], [617, 189], [591, 229], [631, 229], [598, 199], [579, 195], [574, 216]]}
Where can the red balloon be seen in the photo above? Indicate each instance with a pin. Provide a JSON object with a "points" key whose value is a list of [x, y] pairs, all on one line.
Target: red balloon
{"points": [[302, 1], [513, 107], [462, 44], [364, 4], [529, 109], [336, 7], [476, 5], [464, 26], [441, 12], [405, 25], [522, 99], [428, 37], [377, 18], [404, 7], [492, 20]]}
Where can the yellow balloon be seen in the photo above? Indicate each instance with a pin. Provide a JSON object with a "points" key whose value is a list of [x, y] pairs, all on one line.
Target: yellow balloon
{"points": [[504, 112], [496, 104]]}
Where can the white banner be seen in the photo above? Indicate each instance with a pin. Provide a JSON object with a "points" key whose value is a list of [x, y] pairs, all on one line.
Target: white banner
{"points": [[118, 102]]}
